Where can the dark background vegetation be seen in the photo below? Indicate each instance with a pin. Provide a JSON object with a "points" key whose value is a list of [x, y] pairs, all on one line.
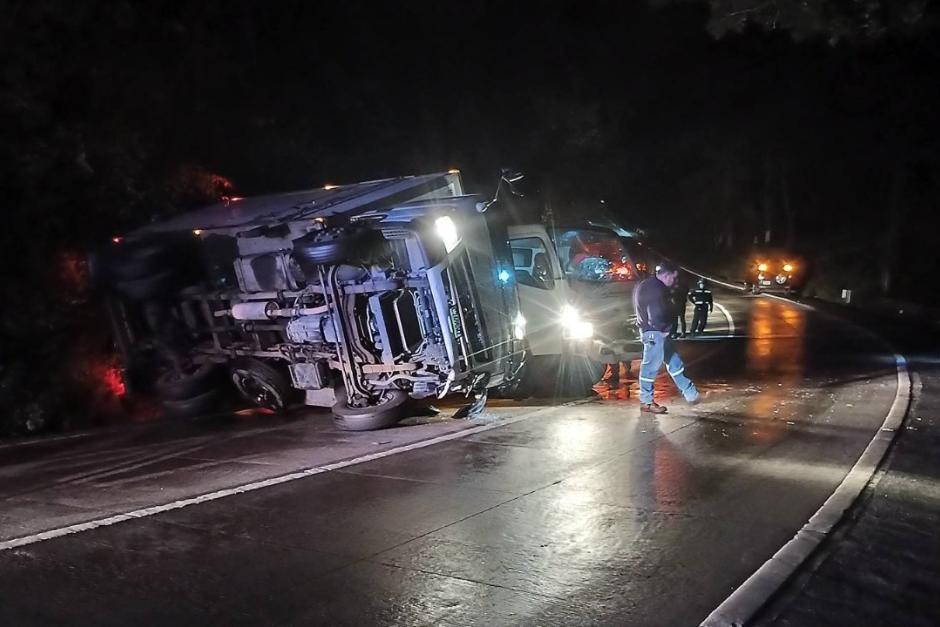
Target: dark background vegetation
{"points": [[712, 124]]}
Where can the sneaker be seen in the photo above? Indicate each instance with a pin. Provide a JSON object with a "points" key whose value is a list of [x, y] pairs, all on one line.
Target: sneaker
{"points": [[652, 408], [698, 398]]}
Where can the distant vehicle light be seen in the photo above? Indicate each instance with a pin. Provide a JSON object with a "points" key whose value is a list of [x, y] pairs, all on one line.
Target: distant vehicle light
{"points": [[447, 231], [329, 186], [117, 239], [503, 276], [788, 267], [197, 232], [453, 171], [762, 267]]}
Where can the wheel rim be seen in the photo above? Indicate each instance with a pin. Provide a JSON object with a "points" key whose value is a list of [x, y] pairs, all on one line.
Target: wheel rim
{"points": [[257, 391], [386, 398]]}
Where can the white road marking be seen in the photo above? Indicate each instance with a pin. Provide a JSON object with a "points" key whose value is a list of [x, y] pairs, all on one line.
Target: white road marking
{"points": [[789, 300], [44, 440], [739, 288], [266, 483], [753, 594], [725, 311]]}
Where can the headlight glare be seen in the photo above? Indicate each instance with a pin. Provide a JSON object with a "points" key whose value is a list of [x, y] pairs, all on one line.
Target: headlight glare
{"points": [[518, 326], [447, 230], [573, 327]]}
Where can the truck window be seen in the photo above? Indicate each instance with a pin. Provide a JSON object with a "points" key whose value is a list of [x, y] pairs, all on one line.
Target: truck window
{"points": [[531, 262]]}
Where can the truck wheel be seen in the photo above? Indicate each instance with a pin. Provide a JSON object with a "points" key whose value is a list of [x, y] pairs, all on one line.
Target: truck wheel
{"points": [[389, 410], [186, 382], [329, 249], [134, 261], [552, 376], [200, 404], [578, 375], [147, 287], [261, 384]]}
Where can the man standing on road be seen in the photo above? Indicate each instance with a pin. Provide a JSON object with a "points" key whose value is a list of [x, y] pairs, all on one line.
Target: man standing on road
{"points": [[655, 315], [701, 298]]}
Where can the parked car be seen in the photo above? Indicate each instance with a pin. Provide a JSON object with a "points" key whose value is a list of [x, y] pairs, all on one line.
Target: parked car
{"points": [[776, 271], [354, 297]]}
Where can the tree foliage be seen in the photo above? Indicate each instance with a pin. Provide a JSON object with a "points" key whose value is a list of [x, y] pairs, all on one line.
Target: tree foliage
{"points": [[834, 20]]}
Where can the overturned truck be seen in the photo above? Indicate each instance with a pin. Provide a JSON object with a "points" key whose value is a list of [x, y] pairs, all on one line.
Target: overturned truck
{"points": [[360, 298]]}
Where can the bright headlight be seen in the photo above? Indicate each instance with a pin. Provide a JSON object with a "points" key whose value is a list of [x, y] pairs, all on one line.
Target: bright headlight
{"points": [[447, 231], [573, 327], [570, 315], [762, 267], [788, 267], [518, 326]]}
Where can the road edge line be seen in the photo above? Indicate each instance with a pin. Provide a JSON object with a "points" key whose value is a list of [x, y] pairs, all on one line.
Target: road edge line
{"points": [[791, 301], [752, 595], [144, 512], [727, 314], [739, 288]]}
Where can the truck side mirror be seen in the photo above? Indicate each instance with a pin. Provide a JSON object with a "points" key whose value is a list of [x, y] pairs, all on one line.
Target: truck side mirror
{"points": [[510, 179]]}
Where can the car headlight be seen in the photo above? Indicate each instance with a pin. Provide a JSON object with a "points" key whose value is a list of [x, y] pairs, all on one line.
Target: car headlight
{"points": [[573, 327], [447, 230], [762, 267], [788, 267]]}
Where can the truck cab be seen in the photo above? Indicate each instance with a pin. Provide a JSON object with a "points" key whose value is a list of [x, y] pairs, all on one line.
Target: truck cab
{"points": [[575, 285]]}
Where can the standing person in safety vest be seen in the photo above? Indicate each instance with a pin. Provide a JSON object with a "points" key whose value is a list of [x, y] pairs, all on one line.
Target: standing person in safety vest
{"points": [[655, 314], [701, 299]]}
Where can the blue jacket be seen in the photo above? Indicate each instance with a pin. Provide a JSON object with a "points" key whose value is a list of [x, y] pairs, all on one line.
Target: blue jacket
{"points": [[651, 301]]}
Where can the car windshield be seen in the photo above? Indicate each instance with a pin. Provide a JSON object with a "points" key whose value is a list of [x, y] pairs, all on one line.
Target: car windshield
{"points": [[595, 255]]}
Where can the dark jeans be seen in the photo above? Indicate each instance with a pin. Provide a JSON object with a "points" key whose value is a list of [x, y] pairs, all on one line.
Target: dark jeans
{"points": [[699, 318], [679, 321]]}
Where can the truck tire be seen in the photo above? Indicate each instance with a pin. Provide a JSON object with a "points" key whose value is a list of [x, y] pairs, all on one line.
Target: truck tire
{"points": [[386, 414], [555, 376], [194, 406], [187, 382], [578, 375], [261, 384], [137, 261], [145, 288], [329, 249]]}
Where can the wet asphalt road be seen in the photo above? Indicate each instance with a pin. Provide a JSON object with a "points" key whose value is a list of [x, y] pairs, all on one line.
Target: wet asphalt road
{"points": [[581, 514]]}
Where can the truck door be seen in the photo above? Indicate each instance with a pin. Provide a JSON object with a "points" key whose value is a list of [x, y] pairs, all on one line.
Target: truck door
{"points": [[541, 286]]}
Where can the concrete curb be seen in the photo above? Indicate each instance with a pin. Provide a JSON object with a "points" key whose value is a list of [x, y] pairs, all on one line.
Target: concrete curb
{"points": [[752, 595]]}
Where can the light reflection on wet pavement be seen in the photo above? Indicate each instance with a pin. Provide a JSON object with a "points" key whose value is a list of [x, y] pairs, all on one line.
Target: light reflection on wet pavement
{"points": [[588, 514]]}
